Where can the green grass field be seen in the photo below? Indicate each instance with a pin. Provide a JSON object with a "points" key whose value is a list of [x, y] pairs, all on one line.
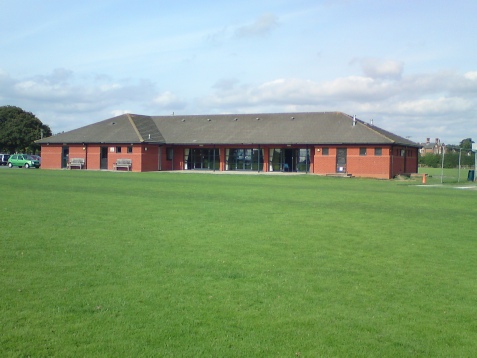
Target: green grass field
{"points": [[195, 265], [446, 176]]}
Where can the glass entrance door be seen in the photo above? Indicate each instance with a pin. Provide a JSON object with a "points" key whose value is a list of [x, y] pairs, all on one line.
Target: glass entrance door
{"points": [[289, 160], [200, 158], [244, 159]]}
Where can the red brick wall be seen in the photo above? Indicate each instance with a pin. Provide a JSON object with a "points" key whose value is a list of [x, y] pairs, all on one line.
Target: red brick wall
{"points": [[77, 151], [386, 166], [368, 165], [324, 164], [142, 159], [149, 158], [93, 156], [412, 161], [178, 158], [165, 163], [113, 156], [51, 156], [407, 163]]}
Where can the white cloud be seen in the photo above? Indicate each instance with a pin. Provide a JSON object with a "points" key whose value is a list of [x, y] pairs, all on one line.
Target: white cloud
{"points": [[471, 76], [64, 99], [262, 26], [429, 107], [118, 112], [379, 68], [226, 84], [419, 104], [168, 100]]}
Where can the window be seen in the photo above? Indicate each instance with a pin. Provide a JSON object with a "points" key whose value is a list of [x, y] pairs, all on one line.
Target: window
{"points": [[130, 149], [118, 149], [326, 151], [378, 152], [403, 152], [362, 151], [169, 153], [244, 159]]}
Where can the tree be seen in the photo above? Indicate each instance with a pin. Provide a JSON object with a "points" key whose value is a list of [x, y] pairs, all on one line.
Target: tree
{"points": [[466, 144], [19, 130]]}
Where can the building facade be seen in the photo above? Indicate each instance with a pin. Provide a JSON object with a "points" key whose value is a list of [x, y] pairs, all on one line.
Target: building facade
{"points": [[319, 143]]}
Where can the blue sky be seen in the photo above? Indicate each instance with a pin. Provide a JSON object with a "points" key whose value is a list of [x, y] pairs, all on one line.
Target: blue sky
{"points": [[410, 66]]}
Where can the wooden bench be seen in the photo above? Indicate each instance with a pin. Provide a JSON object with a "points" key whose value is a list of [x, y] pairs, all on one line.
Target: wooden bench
{"points": [[123, 163], [76, 162]]}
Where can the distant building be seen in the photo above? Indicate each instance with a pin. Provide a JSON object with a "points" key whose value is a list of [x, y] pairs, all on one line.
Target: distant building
{"points": [[319, 143], [432, 148]]}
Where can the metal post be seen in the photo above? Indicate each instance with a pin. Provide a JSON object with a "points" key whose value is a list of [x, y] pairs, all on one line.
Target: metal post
{"points": [[258, 158], [460, 153], [442, 167], [475, 164], [306, 159]]}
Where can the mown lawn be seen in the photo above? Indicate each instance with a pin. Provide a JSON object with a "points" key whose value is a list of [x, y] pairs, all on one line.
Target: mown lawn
{"points": [[446, 175], [188, 265]]}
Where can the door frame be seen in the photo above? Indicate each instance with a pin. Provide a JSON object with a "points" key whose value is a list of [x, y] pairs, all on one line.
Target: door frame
{"points": [[103, 158], [65, 156], [341, 160]]}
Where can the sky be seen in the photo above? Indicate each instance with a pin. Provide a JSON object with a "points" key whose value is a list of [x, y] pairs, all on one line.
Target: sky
{"points": [[410, 66]]}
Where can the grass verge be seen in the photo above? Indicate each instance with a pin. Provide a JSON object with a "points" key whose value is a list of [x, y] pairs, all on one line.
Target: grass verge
{"points": [[168, 264]]}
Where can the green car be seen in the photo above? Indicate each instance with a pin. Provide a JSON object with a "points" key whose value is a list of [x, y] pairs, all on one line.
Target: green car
{"points": [[22, 160]]}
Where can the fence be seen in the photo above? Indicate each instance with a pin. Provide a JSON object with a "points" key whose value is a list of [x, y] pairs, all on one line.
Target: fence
{"points": [[449, 167]]}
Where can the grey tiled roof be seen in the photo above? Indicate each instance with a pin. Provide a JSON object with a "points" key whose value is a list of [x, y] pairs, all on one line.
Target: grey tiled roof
{"points": [[113, 130], [147, 129], [264, 128]]}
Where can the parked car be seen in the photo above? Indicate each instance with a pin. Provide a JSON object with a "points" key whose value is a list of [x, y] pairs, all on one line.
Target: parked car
{"points": [[36, 157], [22, 160], [4, 159]]}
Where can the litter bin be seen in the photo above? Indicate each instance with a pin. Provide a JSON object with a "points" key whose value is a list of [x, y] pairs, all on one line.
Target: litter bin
{"points": [[470, 176]]}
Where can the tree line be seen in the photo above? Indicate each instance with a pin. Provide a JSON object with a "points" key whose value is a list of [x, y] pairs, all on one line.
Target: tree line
{"points": [[451, 156], [19, 129], [451, 160]]}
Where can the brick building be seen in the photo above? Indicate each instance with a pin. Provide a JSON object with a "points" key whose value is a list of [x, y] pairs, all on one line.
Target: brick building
{"points": [[320, 143], [432, 148]]}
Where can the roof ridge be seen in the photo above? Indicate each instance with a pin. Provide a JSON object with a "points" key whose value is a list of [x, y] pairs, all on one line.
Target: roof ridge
{"points": [[141, 139], [382, 132], [252, 114]]}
